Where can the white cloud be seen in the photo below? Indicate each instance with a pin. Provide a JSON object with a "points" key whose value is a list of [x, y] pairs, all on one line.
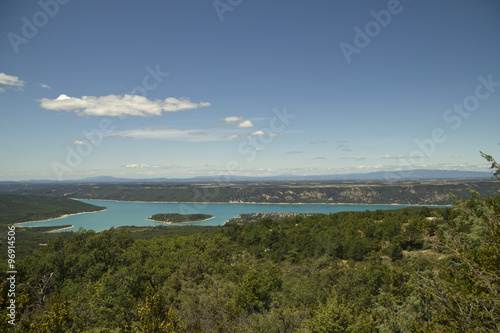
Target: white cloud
{"points": [[238, 122], [232, 137], [245, 124], [137, 166], [173, 104], [10, 81], [275, 134], [259, 132], [232, 119], [456, 156], [43, 85], [117, 105]]}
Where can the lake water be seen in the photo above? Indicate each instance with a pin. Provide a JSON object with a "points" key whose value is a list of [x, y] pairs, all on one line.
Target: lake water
{"points": [[136, 213]]}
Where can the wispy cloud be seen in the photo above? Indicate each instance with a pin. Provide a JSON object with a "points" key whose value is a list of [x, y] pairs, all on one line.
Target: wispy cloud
{"points": [[117, 105], [342, 147], [186, 135], [79, 142], [10, 81], [356, 158], [148, 166], [43, 85], [393, 157], [197, 133], [232, 137], [167, 133], [456, 156]]}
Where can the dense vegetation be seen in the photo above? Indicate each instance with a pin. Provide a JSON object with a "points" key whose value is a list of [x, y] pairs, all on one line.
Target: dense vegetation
{"points": [[418, 193], [254, 217], [179, 218], [17, 208], [409, 270], [384, 271]]}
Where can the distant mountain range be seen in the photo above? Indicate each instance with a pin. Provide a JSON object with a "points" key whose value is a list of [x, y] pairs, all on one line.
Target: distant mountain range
{"points": [[378, 175]]}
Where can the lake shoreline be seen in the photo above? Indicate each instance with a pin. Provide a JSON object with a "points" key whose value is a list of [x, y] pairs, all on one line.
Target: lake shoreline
{"points": [[57, 218], [133, 213], [268, 203], [60, 229]]}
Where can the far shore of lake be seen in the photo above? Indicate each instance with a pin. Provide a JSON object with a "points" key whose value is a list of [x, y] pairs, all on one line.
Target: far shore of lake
{"points": [[266, 203]]}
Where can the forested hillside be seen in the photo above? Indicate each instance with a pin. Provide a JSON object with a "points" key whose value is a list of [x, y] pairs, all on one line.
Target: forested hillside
{"points": [[416, 193], [415, 269], [22, 208]]}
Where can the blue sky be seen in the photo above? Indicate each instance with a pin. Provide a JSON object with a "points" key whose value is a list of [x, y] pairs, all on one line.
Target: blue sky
{"points": [[192, 88]]}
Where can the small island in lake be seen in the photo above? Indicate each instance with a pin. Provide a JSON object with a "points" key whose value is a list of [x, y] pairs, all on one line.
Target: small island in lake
{"points": [[180, 218]]}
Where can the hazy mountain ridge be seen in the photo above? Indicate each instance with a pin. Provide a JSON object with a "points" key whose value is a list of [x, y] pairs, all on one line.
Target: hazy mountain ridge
{"points": [[377, 175]]}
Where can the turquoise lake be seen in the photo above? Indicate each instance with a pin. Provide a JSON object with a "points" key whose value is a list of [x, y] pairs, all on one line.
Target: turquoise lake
{"points": [[119, 213]]}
